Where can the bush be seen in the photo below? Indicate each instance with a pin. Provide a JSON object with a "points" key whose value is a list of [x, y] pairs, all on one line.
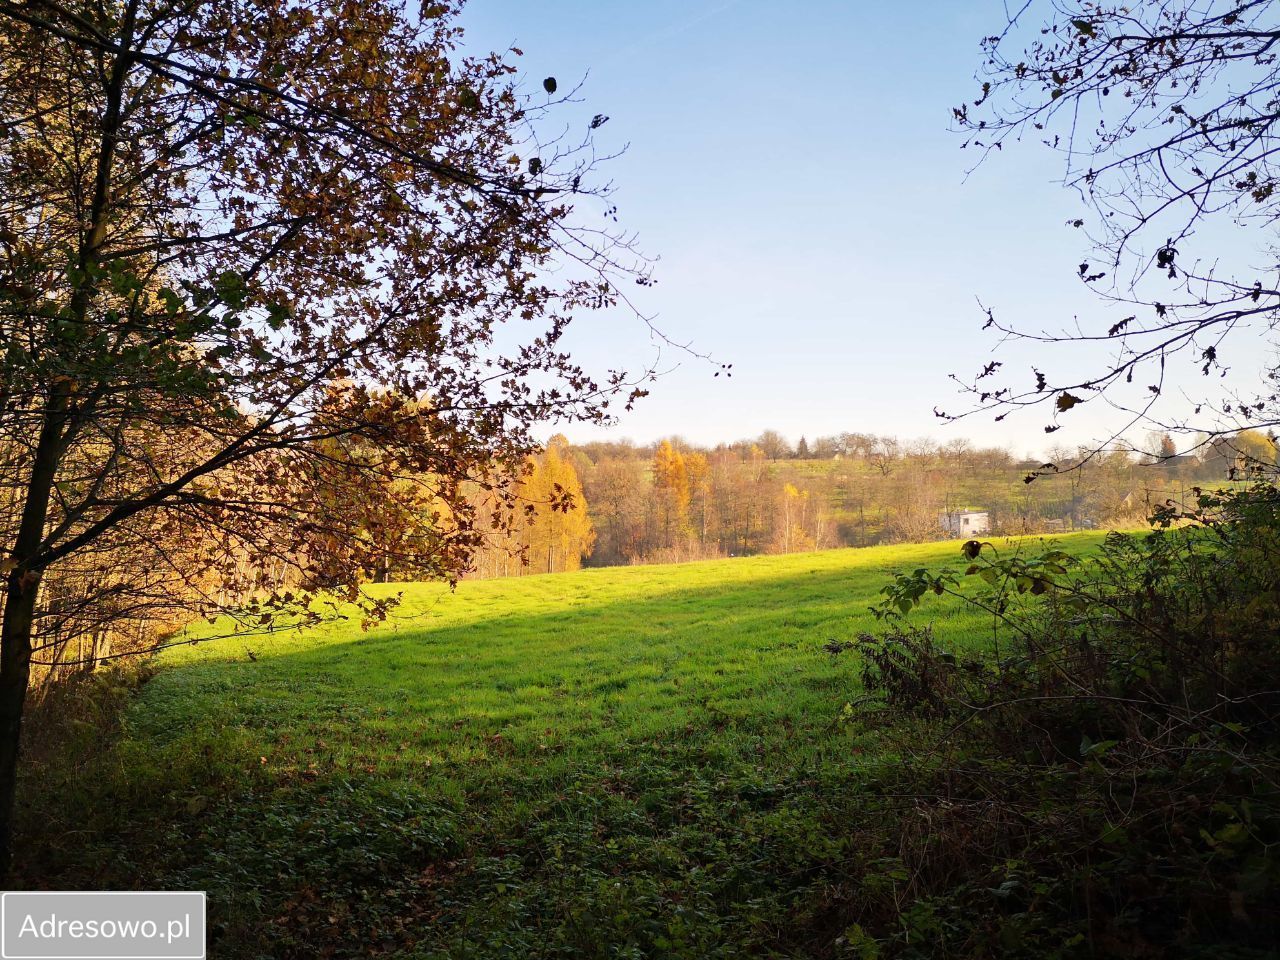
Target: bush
{"points": [[1108, 782]]}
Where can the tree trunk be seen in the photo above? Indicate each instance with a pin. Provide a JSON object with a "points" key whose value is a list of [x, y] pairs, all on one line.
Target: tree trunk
{"points": [[24, 577], [17, 619], [15, 672], [21, 589]]}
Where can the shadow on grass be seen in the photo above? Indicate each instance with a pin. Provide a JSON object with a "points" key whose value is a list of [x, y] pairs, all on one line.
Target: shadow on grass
{"points": [[652, 660], [579, 775]]}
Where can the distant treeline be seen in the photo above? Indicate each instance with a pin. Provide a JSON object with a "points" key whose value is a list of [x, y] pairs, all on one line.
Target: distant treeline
{"points": [[673, 500]]}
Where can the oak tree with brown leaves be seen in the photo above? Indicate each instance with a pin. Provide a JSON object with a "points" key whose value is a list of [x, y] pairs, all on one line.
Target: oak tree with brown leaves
{"points": [[256, 262]]}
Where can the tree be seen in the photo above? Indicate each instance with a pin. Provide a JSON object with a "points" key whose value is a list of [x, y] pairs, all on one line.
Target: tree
{"points": [[697, 469], [1255, 449], [1158, 446], [551, 531], [1165, 118], [774, 445], [671, 486], [802, 449], [882, 453], [826, 448], [857, 444], [562, 529], [616, 489], [792, 503], [231, 238], [958, 449], [915, 509], [1247, 453]]}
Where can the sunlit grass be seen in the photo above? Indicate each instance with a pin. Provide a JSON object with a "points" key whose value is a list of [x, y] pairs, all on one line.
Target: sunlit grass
{"points": [[528, 670], [592, 756]]}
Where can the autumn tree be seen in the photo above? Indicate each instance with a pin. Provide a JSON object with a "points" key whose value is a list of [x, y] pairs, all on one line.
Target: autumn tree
{"points": [[560, 532], [856, 444], [886, 491], [793, 520], [731, 480], [824, 448], [1164, 117], [212, 213], [1158, 446], [1254, 450], [697, 470], [774, 445], [883, 453], [1248, 453], [671, 484], [616, 491]]}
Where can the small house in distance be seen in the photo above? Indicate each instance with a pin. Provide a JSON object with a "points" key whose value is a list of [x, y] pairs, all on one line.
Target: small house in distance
{"points": [[966, 523]]}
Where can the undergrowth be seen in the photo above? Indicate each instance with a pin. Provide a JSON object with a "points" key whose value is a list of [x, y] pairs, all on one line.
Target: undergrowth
{"points": [[1109, 782]]}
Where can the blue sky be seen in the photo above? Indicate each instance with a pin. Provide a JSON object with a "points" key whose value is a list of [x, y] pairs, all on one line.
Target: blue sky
{"points": [[817, 223]]}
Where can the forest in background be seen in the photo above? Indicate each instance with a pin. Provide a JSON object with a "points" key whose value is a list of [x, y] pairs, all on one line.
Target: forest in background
{"points": [[621, 503], [673, 500]]}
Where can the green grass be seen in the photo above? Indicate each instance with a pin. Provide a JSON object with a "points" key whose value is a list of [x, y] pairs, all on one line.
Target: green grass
{"points": [[625, 762]]}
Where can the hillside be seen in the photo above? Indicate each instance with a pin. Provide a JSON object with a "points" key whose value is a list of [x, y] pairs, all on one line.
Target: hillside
{"points": [[631, 761], [677, 501]]}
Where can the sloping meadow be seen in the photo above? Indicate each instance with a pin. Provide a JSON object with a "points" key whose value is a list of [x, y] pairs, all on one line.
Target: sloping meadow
{"points": [[641, 761]]}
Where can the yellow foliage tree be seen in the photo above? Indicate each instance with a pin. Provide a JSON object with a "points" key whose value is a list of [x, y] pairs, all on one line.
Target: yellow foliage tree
{"points": [[1254, 448], [561, 534], [671, 485], [551, 530], [698, 475]]}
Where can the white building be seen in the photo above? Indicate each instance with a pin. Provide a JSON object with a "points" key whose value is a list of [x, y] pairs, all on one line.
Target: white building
{"points": [[966, 523]]}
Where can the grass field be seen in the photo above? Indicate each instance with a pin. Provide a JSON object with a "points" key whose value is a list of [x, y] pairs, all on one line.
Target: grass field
{"points": [[627, 762]]}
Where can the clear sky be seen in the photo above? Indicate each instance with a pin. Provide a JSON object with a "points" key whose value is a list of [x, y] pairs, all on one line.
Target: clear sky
{"points": [[817, 222]]}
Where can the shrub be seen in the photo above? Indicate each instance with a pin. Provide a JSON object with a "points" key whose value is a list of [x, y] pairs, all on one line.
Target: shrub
{"points": [[1109, 780]]}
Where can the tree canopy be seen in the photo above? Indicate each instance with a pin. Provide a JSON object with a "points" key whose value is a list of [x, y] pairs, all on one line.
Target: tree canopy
{"points": [[256, 262]]}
